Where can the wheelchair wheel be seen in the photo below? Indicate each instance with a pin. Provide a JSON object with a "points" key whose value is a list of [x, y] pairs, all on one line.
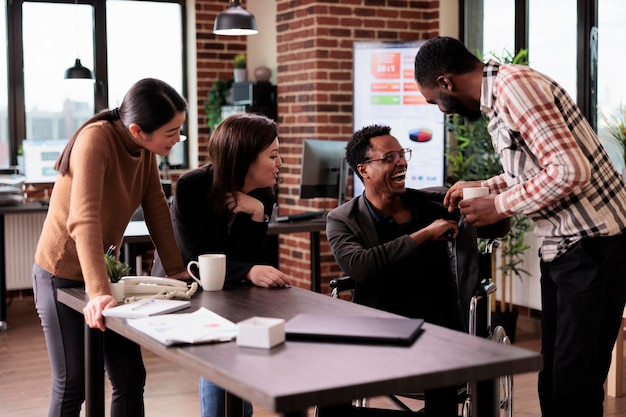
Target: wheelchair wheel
{"points": [[505, 383]]}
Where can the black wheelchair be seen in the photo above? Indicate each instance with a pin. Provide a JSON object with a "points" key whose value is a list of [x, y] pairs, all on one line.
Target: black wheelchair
{"points": [[493, 393]]}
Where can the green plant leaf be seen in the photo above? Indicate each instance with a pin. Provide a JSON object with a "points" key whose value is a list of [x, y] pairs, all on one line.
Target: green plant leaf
{"points": [[115, 268], [240, 61], [215, 100]]}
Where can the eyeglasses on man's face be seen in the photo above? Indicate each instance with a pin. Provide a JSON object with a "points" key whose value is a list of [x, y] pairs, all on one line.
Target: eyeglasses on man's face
{"points": [[392, 157]]}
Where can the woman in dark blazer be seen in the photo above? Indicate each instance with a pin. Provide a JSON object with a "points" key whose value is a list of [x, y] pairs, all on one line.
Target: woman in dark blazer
{"points": [[225, 207]]}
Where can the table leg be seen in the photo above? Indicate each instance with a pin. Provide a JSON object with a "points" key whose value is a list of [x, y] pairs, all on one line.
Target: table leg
{"points": [[233, 406], [485, 398], [129, 258], [94, 372], [315, 263]]}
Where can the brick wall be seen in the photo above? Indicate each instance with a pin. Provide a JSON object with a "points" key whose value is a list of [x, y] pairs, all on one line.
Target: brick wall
{"points": [[314, 41], [314, 77], [214, 61]]}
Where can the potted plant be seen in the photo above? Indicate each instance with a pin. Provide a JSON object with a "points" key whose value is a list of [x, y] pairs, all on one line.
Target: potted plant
{"points": [[470, 157], [116, 270], [215, 100], [616, 126], [240, 73]]}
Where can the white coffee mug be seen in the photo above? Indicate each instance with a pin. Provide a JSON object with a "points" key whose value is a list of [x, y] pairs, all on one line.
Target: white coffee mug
{"points": [[473, 192], [212, 268]]}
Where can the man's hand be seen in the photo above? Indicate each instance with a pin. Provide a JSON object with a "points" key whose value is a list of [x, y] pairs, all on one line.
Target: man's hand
{"points": [[440, 229], [480, 211], [455, 194]]}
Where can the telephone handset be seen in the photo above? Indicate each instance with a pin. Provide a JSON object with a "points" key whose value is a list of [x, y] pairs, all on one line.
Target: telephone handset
{"points": [[151, 285]]}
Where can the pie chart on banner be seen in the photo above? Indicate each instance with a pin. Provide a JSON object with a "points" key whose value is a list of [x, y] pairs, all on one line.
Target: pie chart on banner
{"points": [[420, 135]]}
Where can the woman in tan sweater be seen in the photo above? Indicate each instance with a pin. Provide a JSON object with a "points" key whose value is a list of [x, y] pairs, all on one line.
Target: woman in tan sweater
{"points": [[107, 170]]}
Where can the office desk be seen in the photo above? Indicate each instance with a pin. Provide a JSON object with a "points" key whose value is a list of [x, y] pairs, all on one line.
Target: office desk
{"points": [[137, 232], [291, 377], [313, 227]]}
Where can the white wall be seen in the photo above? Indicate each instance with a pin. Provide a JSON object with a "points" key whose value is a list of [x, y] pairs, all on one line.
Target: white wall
{"points": [[449, 18], [261, 48], [527, 290]]}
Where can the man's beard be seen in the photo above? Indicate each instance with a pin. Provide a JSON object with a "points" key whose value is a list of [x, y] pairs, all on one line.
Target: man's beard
{"points": [[454, 105]]}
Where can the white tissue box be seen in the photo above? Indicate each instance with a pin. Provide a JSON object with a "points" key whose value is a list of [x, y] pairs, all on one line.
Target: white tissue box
{"points": [[261, 332]]}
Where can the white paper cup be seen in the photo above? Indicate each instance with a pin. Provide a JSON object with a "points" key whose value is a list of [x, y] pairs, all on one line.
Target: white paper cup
{"points": [[473, 192], [212, 268]]}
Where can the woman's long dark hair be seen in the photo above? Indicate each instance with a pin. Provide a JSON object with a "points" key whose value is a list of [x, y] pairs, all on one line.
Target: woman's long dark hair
{"points": [[149, 103], [234, 146]]}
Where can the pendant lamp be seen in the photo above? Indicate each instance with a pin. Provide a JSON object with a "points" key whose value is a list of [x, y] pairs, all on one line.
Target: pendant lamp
{"points": [[78, 71], [235, 21]]}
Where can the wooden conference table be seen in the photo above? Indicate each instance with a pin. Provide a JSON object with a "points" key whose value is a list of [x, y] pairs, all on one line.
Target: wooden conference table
{"points": [[289, 378]]}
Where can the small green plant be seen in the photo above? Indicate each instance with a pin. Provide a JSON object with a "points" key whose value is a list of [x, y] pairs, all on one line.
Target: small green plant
{"points": [[520, 58], [215, 100], [240, 61], [470, 156], [115, 268]]}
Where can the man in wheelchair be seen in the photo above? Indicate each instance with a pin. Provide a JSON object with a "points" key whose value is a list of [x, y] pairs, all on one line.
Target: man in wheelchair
{"points": [[406, 253]]}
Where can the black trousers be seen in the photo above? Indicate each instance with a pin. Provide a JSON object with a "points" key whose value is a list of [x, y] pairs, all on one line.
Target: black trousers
{"points": [[64, 332], [583, 293]]}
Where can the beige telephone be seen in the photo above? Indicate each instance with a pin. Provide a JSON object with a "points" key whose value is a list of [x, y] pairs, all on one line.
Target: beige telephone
{"points": [[149, 286]]}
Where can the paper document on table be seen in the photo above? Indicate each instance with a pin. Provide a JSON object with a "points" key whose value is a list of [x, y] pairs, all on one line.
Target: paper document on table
{"points": [[145, 308], [201, 326]]}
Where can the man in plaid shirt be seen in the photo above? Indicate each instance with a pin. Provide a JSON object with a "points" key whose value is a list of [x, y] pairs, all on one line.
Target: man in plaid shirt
{"points": [[556, 172]]}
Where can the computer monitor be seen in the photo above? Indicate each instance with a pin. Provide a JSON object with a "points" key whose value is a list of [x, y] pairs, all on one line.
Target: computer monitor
{"points": [[40, 155], [324, 169]]}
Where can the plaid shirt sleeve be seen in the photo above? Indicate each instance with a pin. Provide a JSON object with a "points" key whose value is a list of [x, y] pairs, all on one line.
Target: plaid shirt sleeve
{"points": [[541, 158], [555, 169]]}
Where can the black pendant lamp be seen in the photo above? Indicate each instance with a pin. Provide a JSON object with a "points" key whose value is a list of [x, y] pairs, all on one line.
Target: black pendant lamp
{"points": [[78, 71], [235, 21]]}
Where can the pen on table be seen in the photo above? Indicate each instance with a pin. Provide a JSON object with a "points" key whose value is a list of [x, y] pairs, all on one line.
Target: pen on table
{"points": [[142, 304]]}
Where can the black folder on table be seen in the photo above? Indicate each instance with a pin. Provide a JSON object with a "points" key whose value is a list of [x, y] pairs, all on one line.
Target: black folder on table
{"points": [[353, 329]]}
